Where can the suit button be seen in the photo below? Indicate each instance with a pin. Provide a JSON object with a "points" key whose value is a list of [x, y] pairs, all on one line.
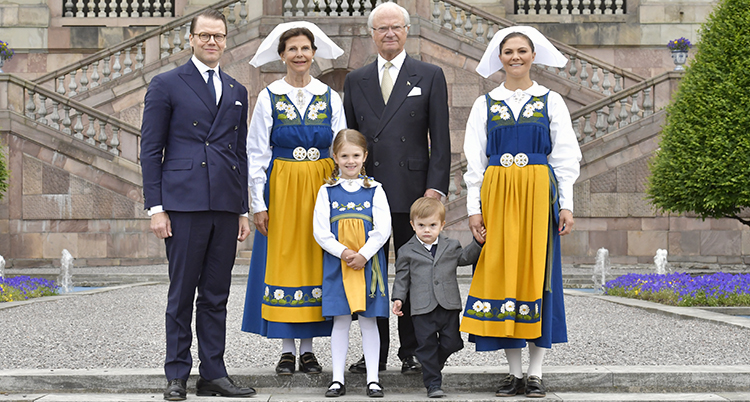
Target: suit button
{"points": [[401, 163], [361, 118], [436, 282], [203, 164], [403, 139], [195, 123], [234, 167], [412, 113], [377, 163], [376, 139], [230, 146], [235, 128], [206, 143]]}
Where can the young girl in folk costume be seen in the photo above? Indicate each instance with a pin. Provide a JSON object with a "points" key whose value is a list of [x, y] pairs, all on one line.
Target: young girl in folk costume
{"points": [[523, 158], [352, 222]]}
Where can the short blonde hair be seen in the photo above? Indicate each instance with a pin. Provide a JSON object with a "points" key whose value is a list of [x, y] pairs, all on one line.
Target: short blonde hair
{"points": [[425, 207]]}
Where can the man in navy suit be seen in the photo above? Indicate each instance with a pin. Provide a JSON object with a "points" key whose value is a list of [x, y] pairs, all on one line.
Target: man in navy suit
{"points": [[401, 105], [194, 166]]}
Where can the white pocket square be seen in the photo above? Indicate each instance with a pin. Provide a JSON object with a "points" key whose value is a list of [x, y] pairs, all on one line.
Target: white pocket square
{"points": [[416, 91], [238, 103]]}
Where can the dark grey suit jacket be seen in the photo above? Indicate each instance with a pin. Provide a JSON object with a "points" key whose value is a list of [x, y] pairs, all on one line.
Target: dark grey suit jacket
{"points": [[397, 134], [431, 281]]}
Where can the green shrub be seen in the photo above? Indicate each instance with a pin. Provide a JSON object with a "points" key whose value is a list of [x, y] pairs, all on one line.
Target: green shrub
{"points": [[703, 165]]}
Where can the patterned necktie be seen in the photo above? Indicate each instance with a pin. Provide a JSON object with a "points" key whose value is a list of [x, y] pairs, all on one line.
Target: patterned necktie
{"points": [[386, 85], [211, 87]]}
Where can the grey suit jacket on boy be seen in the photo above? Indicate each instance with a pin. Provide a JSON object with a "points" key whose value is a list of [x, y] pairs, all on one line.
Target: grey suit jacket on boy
{"points": [[431, 281]]}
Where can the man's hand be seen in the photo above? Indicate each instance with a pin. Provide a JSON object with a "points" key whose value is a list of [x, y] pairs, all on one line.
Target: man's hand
{"points": [[476, 224], [260, 220], [161, 225], [432, 193], [397, 308], [244, 228], [566, 222]]}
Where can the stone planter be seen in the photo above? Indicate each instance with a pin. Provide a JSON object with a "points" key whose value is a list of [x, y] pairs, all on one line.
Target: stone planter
{"points": [[680, 58]]}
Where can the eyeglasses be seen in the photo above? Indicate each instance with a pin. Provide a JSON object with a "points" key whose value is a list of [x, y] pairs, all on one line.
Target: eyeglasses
{"points": [[205, 37], [397, 29]]}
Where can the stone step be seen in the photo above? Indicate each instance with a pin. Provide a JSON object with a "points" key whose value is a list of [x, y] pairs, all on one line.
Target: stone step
{"points": [[456, 380]]}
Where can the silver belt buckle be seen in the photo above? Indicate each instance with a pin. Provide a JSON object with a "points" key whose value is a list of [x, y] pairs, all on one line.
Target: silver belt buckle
{"points": [[299, 153], [313, 154], [521, 159], [506, 160]]}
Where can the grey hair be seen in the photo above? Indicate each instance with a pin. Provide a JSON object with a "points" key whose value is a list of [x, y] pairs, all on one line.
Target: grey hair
{"points": [[371, 18]]}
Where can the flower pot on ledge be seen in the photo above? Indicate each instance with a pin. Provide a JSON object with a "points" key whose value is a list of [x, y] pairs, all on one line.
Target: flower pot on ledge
{"points": [[680, 58]]}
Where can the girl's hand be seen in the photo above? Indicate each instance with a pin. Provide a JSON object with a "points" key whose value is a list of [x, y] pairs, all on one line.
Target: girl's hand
{"points": [[260, 220], [476, 224], [566, 222], [356, 261], [397, 308]]}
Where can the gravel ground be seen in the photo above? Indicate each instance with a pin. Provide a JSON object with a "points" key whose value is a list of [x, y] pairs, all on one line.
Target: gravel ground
{"points": [[125, 329]]}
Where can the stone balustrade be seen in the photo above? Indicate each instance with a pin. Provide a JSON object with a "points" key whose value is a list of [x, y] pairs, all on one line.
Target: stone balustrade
{"points": [[72, 118], [118, 8], [624, 107], [457, 186], [130, 56], [570, 7]]}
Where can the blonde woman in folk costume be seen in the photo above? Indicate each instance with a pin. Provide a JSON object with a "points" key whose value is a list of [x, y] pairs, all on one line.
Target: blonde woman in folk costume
{"points": [[290, 133], [523, 158]]}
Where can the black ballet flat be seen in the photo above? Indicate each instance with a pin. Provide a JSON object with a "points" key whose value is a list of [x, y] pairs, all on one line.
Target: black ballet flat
{"points": [[336, 392]]}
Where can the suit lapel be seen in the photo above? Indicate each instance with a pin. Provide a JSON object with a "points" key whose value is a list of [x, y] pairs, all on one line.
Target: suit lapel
{"points": [[441, 246], [370, 86], [407, 79], [193, 79]]}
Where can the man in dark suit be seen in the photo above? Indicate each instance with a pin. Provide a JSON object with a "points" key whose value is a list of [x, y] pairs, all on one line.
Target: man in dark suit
{"points": [[194, 166], [401, 105]]}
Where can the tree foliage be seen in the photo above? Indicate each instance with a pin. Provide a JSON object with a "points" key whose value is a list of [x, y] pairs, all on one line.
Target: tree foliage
{"points": [[703, 164]]}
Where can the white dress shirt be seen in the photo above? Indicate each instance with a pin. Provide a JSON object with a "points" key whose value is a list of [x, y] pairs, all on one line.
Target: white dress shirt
{"points": [[259, 132], [565, 156], [429, 246], [381, 220]]}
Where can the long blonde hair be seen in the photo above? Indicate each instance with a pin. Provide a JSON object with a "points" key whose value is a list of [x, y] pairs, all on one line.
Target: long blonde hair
{"points": [[354, 137]]}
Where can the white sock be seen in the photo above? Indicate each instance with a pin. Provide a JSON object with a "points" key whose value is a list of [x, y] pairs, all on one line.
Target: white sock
{"points": [[340, 345], [305, 345], [371, 347], [536, 356], [514, 362], [288, 346]]}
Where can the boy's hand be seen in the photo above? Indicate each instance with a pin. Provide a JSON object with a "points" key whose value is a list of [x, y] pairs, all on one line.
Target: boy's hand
{"points": [[356, 261], [397, 308]]}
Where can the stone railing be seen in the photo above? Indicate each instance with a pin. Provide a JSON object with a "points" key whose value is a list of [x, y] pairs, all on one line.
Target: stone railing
{"points": [[118, 8], [131, 55], [457, 186], [624, 107], [71, 118], [570, 7]]}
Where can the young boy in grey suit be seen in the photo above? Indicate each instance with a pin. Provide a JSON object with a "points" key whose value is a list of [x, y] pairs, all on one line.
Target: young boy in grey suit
{"points": [[426, 269]]}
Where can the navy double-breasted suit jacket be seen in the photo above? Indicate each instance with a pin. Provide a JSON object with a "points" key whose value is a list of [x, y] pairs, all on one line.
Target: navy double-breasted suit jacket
{"points": [[397, 133], [193, 152]]}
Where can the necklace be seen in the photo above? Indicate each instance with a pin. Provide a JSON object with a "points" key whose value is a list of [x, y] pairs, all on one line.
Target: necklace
{"points": [[300, 99]]}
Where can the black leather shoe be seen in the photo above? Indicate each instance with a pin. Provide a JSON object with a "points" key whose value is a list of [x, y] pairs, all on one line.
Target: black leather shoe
{"points": [[336, 392], [375, 393], [286, 364], [510, 386], [535, 387], [361, 368], [223, 386], [435, 392], [176, 390], [411, 365], [309, 364]]}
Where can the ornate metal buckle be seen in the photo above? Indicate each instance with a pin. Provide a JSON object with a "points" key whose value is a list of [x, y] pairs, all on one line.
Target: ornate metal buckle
{"points": [[521, 159], [506, 160], [313, 154], [299, 153]]}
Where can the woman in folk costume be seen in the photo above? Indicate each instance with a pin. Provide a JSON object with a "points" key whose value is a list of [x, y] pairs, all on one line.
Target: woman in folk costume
{"points": [[290, 133], [523, 158], [352, 223]]}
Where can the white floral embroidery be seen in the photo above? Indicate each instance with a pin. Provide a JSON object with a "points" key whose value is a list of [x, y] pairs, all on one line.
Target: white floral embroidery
{"points": [[278, 294], [298, 295], [478, 305], [505, 116], [335, 204], [350, 205], [538, 105], [528, 113], [536, 308], [313, 115], [280, 106], [317, 292], [504, 109], [358, 208], [366, 204], [342, 209], [267, 291], [320, 105], [524, 309], [486, 308], [502, 309], [495, 108], [510, 306], [290, 113]]}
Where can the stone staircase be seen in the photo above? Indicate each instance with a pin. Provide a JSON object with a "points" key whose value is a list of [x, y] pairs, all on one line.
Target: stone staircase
{"points": [[96, 103]]}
